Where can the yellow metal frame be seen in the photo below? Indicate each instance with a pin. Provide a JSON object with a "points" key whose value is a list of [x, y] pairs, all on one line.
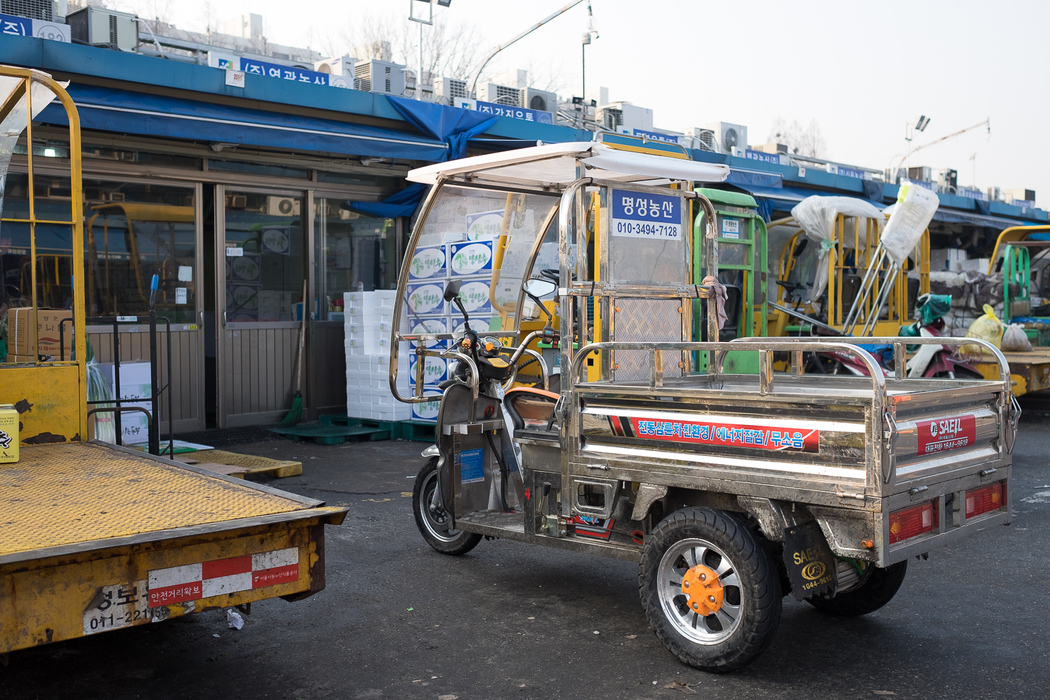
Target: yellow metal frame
{"points": [[55, 393], [1014, 234], [866, 233]]}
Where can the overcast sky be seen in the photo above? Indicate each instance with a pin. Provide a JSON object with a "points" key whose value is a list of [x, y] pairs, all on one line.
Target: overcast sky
{"points": [[861, 70]]}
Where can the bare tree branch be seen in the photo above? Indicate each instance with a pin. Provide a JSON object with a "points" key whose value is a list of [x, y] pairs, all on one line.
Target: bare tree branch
{"points": [[804, 141]]}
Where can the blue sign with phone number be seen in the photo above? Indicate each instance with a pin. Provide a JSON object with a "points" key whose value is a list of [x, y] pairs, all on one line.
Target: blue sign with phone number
{"points": [[638, 215]]}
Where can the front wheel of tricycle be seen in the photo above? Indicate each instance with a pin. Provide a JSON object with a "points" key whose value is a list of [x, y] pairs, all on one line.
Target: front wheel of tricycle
{"points": [[432, 519], [709, 590]]}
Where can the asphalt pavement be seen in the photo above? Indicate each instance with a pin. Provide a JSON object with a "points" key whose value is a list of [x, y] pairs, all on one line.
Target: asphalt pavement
{"points": [[510, 620]]}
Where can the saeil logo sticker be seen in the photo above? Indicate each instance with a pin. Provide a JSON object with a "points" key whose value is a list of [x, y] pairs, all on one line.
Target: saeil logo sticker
{"points": [[946, 434]]}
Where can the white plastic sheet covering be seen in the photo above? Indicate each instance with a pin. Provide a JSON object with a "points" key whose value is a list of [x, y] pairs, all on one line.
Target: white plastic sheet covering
{"points": [[816, 215], [909, 217], [556, 164]]}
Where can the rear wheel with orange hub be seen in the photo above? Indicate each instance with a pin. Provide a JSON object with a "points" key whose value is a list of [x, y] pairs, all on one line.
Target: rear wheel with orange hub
{"points": [[709, 590]]}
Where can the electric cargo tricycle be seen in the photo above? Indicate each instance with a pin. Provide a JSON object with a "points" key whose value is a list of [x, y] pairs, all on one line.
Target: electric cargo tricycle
{"points": [[630, 440]]}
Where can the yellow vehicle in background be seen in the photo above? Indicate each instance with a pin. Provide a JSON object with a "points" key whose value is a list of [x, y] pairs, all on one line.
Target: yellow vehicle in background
{"points": [[819, 276], [1022, 257], [97, 537]]}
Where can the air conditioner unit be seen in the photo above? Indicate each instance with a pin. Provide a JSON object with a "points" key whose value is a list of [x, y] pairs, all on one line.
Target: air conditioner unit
{"points": [[380, 76], [340, 70], [282, 206], [920, 173], [540, 100], [632, 117], [948, 180], [32, 9], [703, 139], [449, 89], [499, 94], [1020, 195], [728, 136], [610, 118], [97, 25]]}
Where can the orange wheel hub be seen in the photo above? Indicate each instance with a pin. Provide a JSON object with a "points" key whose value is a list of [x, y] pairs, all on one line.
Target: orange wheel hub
{"points": [[703, 590]]}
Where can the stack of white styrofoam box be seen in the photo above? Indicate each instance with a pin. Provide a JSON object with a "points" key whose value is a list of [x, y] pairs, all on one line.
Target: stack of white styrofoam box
{"points": [[367, 320], [135, 391], [368, 388]]}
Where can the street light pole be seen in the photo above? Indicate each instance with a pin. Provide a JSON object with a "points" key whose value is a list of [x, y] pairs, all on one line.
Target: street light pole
{"points": [[429, 19], [530, 30], [583, 67]]}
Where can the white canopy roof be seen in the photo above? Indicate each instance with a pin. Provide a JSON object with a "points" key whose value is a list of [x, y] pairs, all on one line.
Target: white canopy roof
{"points": [[555, 164]]}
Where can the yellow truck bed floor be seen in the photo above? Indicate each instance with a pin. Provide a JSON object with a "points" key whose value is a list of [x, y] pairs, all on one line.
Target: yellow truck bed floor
{"points": [[70, 493], [1030, 370]]}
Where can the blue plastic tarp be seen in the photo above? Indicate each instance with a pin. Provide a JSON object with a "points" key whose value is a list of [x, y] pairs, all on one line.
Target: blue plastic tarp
{"points": [[122, 111], [452, 125], [402, 203], [449, 124]]}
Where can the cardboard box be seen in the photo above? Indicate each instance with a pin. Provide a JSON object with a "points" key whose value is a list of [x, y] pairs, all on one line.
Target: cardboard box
{"points": [[427, 299], [47, 322], [472, 258], [426, 411], [429, 262], [475, 293], [435, 370], [135, 379]]}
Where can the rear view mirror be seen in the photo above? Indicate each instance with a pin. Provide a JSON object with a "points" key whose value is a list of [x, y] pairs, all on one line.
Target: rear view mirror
{"points": [[539, 287], [452, 290]]}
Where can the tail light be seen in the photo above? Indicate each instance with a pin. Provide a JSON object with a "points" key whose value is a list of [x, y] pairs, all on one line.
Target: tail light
{"points": [[912, 522], [985, 499]]}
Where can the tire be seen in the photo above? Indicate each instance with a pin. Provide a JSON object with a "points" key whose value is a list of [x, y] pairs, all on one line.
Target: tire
{"points": [[687, 547], [432, 520], [878, 588]]}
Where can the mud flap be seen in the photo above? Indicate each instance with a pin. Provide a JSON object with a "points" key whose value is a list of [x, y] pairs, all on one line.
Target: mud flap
{"points": [[810, 563]]}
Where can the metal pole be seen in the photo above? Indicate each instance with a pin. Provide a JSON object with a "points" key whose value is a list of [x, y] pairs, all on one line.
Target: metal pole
{"points": [[154, 426], [583, 72], [530, 30]]}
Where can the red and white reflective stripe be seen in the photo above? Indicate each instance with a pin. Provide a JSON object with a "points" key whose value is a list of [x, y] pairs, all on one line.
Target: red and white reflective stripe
{"points": [[179, 584]]}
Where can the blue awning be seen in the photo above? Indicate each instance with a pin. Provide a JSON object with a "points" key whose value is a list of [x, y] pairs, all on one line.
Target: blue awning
{"points": [[955, 216], [125, 112], [748, 179]]}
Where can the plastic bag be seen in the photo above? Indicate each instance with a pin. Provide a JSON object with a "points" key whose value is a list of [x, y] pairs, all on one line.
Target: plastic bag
{"points": [[1015, 339], [933, 307], [912, 213], [987, 327]]}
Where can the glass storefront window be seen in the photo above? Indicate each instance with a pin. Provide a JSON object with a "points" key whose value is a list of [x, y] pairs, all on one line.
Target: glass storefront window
{"points": [[54, 243], [133, 231], [235, 166], [264, 257], [486, 239], [355, 252]]}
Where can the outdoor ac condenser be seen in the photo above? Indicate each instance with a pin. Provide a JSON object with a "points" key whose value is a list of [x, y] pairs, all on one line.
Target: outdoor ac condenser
{"points": [[540, 100]]}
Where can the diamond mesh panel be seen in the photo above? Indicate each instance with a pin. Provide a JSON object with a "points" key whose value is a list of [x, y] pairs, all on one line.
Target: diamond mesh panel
{"points": [[644, 321]]}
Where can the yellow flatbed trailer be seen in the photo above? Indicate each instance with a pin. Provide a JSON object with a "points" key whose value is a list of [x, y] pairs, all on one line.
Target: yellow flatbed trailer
{"points": [[95, 537]]}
